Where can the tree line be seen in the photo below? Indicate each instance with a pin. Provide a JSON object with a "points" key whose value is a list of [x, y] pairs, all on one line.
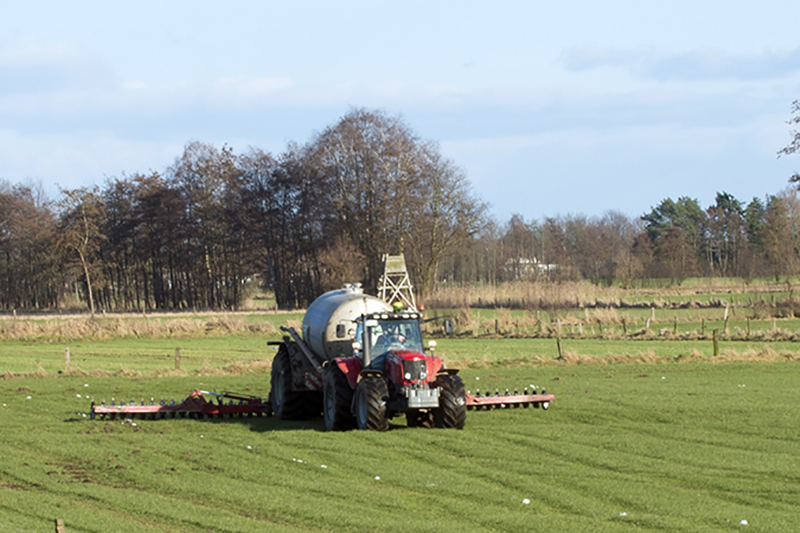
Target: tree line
{"points": [[215, 224], [202, 233], [676, 239]]}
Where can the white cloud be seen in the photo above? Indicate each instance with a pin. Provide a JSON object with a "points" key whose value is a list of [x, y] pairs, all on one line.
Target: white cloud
{"points": [[249, 85], [72, 160], [668, 140], [18, 53], [705, 63], [34, 67]]}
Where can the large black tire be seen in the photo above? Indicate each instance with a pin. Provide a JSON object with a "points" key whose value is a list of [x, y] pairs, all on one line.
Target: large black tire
{"points": [[417, 418], [288, 404], [371, 396], [337, 399], [452, 410]]}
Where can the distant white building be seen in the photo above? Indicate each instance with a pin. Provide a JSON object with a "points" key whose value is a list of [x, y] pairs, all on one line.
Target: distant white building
{"points": [[526, 269]]}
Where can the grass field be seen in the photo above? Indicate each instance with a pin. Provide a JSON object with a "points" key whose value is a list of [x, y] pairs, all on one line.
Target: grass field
{"points": [[140, 355], [207, 355], [667, 447], [647, 433]]}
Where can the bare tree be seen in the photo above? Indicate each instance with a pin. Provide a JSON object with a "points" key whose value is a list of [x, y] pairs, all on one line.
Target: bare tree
{"points": [[392, 192], [369, 164], [446, 216], [676, 255], [781, 233], [291, 217], [210, 182], [82, 213], [29, 269], [794, 146]]}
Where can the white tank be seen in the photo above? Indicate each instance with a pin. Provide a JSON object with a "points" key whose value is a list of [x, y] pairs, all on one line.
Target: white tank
{"points": [[329, 325]]}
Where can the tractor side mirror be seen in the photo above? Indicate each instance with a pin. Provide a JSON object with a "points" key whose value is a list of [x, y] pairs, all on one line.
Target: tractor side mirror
{"points": [[448, 326], [431, 345]]}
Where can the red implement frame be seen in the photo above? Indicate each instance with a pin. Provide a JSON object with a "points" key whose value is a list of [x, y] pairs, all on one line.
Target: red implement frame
{"points": [[507, 400], [195, 406]]}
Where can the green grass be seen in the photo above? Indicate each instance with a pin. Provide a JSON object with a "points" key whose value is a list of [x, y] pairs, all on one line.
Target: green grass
{"points": [[689, 447], [199, 354], [141, 355]]}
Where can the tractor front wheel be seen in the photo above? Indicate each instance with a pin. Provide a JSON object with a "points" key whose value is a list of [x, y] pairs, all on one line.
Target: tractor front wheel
{"points": [[371, 395], [452, 410], [337, 398]]}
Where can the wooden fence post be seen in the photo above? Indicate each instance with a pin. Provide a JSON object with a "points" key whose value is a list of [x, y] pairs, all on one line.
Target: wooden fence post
{"points": [[560, 348], [715, 342], [60, 526], [67, 365], [177, 358]]}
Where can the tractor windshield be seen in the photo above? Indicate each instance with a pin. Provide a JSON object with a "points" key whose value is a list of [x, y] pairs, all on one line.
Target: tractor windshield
{"points": [[388, 335]]}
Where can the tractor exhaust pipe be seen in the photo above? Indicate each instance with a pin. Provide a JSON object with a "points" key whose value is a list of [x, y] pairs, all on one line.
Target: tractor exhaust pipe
{"points": [[366, 349]]}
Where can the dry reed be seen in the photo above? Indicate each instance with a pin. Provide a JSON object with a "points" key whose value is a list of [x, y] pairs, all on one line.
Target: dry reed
{"points": [[59, 330], [569, 358], [579, 295]]}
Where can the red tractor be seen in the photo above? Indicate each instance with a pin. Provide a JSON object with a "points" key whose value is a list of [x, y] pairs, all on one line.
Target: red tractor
{"points": [[389, 375]]}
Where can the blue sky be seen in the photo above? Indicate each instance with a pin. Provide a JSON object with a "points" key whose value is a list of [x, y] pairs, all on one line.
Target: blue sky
{"points": [[550, 108]]}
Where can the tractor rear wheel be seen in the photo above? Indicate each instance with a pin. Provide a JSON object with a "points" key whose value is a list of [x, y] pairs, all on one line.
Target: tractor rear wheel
{"points": [[452, 410], [371, 396], [288, 404], [337, 399]]}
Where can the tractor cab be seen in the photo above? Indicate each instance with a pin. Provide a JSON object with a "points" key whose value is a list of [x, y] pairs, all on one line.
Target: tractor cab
{"points": [[380, 334]]}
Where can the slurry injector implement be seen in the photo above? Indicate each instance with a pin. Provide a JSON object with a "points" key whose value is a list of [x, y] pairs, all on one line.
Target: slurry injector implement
{"points": [[505, 401], [195, 406]]}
